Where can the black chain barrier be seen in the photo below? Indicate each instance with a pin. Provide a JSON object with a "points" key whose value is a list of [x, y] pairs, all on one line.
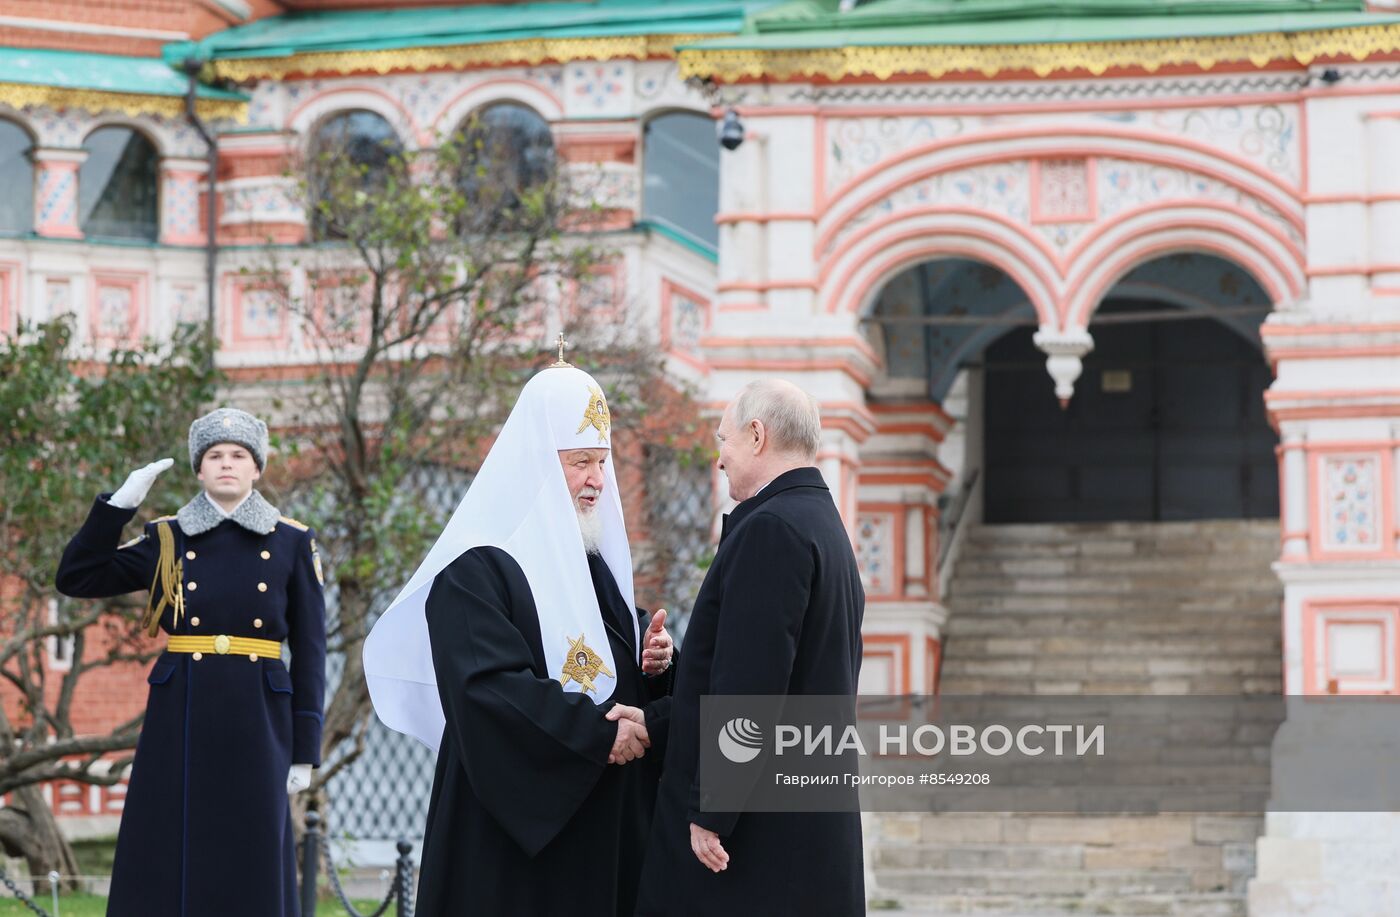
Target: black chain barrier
{"points": [[314, 852], [23, 898]]}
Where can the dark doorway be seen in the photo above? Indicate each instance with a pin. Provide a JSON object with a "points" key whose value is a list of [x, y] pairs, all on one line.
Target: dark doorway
{"points": [[1167, 422]]}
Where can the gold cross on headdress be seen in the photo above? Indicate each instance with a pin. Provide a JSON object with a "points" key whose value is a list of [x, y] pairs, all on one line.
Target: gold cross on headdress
{"points": [[562, 344]]}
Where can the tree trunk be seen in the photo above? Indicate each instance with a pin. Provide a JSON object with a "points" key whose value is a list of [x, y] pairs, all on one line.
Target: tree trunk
{"points": [[28, 829]]}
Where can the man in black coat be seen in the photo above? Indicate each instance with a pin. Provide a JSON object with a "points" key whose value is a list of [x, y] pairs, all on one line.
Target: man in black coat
{"points": [[528, 638], [779, 613], [206, 830]]}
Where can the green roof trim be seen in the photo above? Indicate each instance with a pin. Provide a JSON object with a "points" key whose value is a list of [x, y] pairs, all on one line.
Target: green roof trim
{"points": [[423, 27], [79, 70], [813, 15], [680, 237], [815, 38], [33, 77], [1043, 29]]}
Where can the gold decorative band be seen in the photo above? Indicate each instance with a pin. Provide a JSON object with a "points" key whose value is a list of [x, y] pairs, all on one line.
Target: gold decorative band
{"points": [[223, 645], [487, 54], [1042, 59], [27, 95]]}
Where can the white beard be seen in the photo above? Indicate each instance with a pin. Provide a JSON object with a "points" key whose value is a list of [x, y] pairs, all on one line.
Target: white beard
{"points": [[590, 526]]}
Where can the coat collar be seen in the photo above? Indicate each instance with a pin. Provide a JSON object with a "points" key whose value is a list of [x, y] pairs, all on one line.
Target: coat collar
{"points": [[797, 477], [255, 514]]}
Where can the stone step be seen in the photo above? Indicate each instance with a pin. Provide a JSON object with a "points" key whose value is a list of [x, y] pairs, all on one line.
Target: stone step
{"points": [[1235, 859], [1038, 829], [964, 586], [1016, 565], [1160, 687], [1068, 665], [1109, 646], [1105, 556], [1045, 882], [1152, 602], [1183, 527], [1195, 905], [1124, 545], [971, 622], [1043, 531]]}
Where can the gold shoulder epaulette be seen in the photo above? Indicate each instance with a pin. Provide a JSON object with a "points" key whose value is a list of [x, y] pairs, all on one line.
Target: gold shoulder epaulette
{"points": [[295, 524], [164, 519]]}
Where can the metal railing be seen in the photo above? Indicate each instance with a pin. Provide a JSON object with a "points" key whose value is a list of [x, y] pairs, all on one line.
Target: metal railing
{"points": [[951, 518], [25, 899], [314, 852]]}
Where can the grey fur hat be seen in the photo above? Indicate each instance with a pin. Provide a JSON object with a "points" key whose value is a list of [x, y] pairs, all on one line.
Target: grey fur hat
{"points": [[228, 425]]}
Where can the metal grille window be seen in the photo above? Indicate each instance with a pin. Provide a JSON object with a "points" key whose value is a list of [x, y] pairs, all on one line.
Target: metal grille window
{"points": [[681, 184], [17, 174], [117, 187]]}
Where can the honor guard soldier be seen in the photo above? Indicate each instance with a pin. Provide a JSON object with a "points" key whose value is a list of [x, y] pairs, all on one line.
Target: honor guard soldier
{"points": [[230, 730]]}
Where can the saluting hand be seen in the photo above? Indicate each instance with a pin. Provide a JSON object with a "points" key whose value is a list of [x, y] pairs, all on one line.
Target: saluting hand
{"points": [[656, 657], [138, 484]]}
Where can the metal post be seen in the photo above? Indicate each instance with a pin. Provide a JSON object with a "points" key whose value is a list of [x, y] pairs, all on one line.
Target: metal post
{"points": [[404, 906], [310, 857]]}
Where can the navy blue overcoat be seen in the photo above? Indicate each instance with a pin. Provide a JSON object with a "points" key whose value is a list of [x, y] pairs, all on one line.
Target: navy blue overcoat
{"points": [[206, 829]]}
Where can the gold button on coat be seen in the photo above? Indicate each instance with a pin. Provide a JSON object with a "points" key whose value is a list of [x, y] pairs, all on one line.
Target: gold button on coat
{"points": [[266, 555], [191, 586], [221, 644], [262, 587], [257, 622], [189, 555], [194, 622], [198, 656], [252, 657]]}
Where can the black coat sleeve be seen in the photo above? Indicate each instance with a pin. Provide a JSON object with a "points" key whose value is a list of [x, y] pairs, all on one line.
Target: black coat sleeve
{"points": [[532, 751], [94, 566], [767, 583], [306, 637]]}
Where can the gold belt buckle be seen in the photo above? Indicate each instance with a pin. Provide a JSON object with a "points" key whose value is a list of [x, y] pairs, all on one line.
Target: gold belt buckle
{"points": [[221, 644]]}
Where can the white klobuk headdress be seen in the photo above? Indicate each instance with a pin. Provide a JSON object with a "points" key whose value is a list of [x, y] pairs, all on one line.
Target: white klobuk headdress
{"points": [[520, 503]]}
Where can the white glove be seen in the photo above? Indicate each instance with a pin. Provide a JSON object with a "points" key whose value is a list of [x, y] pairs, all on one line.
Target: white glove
{"points": [[298, 778], [138, 484]]}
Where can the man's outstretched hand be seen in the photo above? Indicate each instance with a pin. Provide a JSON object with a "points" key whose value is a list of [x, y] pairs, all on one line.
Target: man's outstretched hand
{"points": [[708, 849], [658, 646], [632, 739]]}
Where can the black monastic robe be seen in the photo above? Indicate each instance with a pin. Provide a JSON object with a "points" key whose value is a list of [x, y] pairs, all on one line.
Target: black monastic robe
{"points": [[526, 816]]}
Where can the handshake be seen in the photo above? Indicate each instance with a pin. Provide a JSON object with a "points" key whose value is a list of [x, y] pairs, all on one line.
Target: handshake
{"points": [[632, 740]]}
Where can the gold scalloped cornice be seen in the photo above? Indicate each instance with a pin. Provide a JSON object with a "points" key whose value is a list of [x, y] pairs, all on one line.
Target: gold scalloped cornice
{"points": [[24, 95], [524, 51], [730, 65]]}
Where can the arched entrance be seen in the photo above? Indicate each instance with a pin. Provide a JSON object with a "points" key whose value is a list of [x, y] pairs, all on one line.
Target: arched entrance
{"points": [[1167, 422]]}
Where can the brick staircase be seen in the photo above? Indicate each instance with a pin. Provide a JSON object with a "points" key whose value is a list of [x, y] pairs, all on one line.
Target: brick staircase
{"points": [[1115, 608]]}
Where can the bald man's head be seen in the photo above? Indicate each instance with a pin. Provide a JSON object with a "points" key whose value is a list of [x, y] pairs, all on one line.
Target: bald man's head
{"points": [[772, 427], [789, 415]]}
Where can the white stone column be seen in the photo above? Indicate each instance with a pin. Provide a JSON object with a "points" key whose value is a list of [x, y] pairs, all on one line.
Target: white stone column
{"points": [[1294, 489], [1383, 190]]}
